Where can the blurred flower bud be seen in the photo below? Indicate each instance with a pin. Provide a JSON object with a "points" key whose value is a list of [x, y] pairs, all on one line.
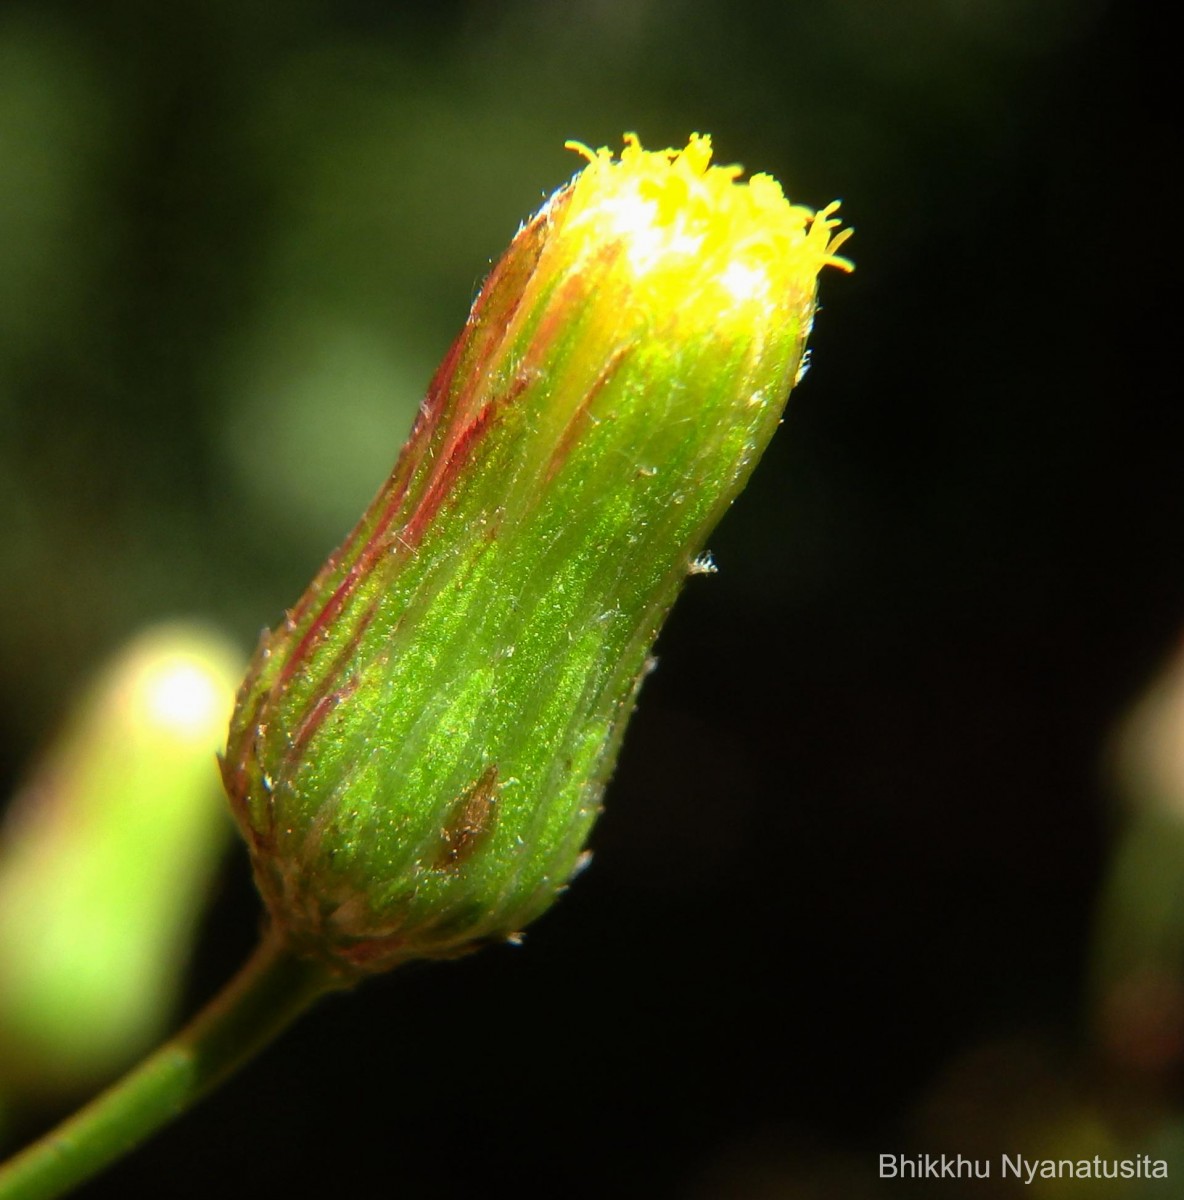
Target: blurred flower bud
{"points": [[105, 858], [1138, 952], [420, 748], [1146, 752]]}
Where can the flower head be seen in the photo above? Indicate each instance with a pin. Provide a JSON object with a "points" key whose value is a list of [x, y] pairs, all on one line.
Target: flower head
{"points": [[420, 748]]}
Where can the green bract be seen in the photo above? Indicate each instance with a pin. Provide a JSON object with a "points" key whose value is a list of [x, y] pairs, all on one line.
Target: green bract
{"points": [[420, 748]]}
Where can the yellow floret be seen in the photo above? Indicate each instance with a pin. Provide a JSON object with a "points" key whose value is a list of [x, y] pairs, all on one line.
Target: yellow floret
{"points": [[697, 233]]}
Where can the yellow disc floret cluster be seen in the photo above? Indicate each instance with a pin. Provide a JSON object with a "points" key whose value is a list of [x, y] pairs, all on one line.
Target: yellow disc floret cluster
{"points": [[693, 234]]}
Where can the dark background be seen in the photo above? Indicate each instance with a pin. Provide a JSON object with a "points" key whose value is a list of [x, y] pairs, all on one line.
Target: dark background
{"points": [[843, 893]]}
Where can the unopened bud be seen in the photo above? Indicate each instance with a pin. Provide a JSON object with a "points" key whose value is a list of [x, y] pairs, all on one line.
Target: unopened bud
{"points": [[420, 748], [105, 857]]}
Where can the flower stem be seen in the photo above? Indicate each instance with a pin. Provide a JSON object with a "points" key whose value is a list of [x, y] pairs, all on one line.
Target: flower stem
{"points": [[270, 991]]}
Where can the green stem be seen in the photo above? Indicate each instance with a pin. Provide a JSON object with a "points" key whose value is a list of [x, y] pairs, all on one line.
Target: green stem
{"points": [[271, 990]]}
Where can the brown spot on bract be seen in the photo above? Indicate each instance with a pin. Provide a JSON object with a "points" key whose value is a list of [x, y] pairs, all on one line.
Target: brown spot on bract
{"points": [[470, 820]]}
